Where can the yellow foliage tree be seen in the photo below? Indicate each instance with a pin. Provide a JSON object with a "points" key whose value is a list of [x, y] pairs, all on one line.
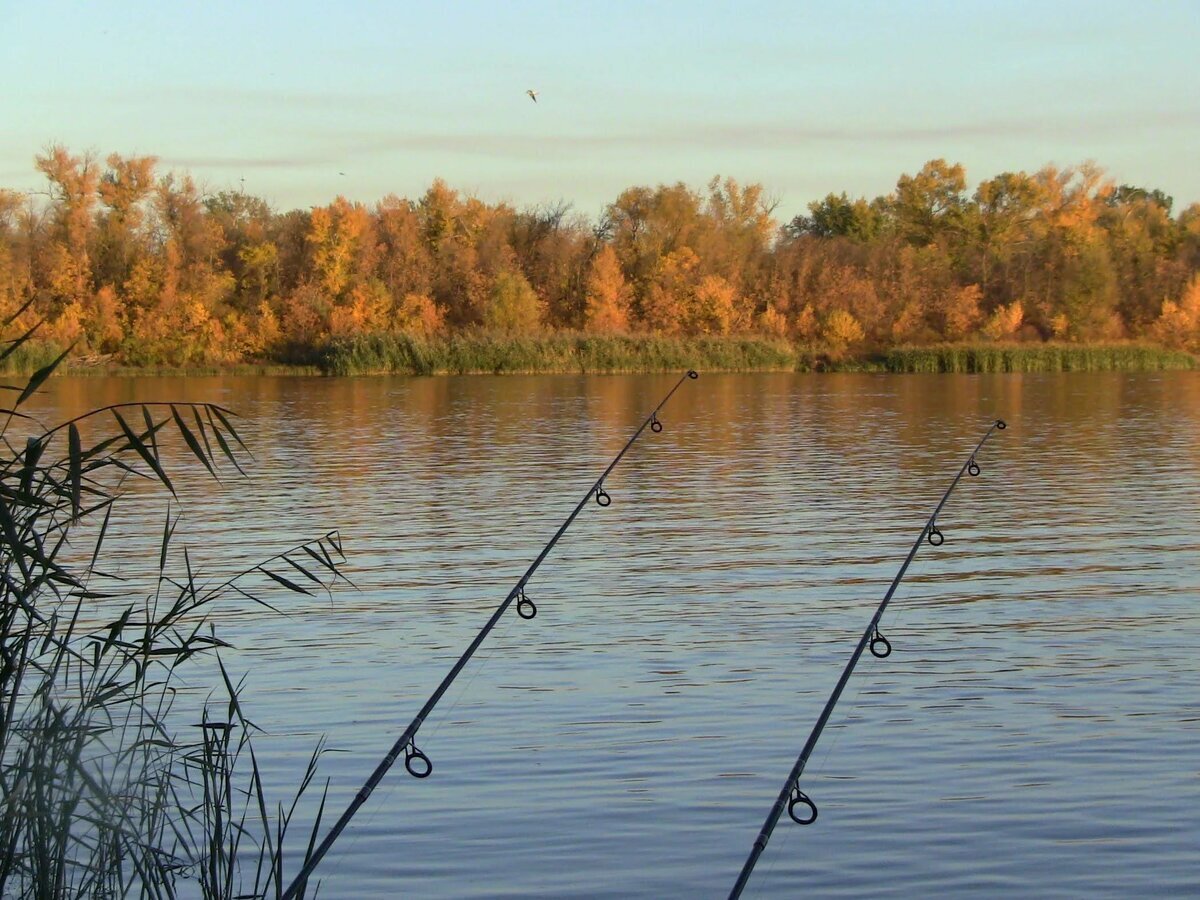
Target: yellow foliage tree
{"points": [[960, 311], [259, 262], [418, 315], [773, 322], [513, 306], [1179, 323], [103, 321], [367, 309], [1005, 321], [665, 303], [713, 307], [806, 326], [606, 294], [73, 191], [267, 331], [335, 235], [909, 325], [840, 330]]}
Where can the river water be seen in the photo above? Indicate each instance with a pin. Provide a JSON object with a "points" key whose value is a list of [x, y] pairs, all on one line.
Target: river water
{"points": [[1035, 733]]}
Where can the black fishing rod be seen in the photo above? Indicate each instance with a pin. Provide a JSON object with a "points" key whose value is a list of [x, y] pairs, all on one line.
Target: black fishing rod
{"points": [[415, 761], [800, 807]]}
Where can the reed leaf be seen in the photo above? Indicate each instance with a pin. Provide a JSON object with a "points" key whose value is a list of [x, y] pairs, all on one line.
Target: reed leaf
{"points": [[290, 585], [223, 444], [108, 805], [190, 440], [143, 451], [75, 466], [168, 530], [39, 377]]}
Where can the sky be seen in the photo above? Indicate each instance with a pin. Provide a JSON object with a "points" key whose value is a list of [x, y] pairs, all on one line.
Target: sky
{"points": [[300, 101]]}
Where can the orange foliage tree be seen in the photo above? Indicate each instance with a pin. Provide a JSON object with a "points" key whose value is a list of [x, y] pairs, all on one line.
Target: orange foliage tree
{"points": [[118, 259]]}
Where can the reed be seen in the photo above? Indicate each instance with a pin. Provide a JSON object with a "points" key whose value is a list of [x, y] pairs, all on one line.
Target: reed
{"points": [[1052, 357], [481, 352], [101, 794], [25, 356]]}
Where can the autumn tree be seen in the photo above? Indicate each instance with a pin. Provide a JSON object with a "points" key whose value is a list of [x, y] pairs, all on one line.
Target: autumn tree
{"points": [[248, 249], [551, 249], [513, 307], [125, 189], [929, 206], [840, 331], [1006, 226], [176, 300], [1077, 291], [15, 269], [1178, 323], [451, 228], [1142, 244], [404, 261], [66, 263], [839, 216], [338, 235], [606, 294], [155, 270], [645, 227]]}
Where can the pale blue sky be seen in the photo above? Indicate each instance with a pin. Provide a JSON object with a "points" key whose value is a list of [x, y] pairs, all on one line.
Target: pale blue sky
{"points": [[803, 97]]}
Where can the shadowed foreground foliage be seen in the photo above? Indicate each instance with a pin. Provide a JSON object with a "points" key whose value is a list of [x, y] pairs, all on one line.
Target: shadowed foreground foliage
{"points": [[114, 782]]}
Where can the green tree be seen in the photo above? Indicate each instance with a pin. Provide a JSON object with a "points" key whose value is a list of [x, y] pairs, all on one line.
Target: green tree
{"points": [[929, 206], [513, 306], [839, 216]]}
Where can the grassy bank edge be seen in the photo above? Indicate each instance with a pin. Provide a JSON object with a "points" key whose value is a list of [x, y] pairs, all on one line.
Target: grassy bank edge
{"points": [[481, 353]]}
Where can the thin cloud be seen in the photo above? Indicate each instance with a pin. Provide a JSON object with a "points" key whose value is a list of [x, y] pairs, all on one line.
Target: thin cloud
{"points": [[751, 136], [244, 162], [269, 99]]}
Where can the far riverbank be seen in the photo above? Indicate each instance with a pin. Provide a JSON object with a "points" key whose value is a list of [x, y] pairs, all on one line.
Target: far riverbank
{"points": [[574, 353]]}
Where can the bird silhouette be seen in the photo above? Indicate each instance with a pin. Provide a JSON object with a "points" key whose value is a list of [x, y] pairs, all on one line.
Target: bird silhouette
{"points": [[532, 94]]}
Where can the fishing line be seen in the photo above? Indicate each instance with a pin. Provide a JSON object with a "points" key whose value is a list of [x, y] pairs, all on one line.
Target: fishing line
{"points": [[799, 805], [418, 764]]}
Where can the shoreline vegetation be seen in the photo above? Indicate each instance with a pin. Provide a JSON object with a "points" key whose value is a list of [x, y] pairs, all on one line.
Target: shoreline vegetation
{"points": [[479, 354], [129, 269], [122, 776]]}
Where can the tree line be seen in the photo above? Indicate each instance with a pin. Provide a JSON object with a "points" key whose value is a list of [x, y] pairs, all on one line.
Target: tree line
{"points": [[119, 260]]}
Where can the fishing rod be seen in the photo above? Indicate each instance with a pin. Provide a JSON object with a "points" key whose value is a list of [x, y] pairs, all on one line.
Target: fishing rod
{"points": [[415, 761], [801, 809]]}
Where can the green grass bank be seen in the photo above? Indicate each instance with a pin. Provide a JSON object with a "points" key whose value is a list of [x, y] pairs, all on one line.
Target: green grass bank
{"points": [[479, 353], [1037, 358], [482, 353]]}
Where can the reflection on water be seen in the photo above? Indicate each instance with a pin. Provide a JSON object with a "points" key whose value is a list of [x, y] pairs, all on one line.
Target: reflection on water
{"points": [[1035, 732]]}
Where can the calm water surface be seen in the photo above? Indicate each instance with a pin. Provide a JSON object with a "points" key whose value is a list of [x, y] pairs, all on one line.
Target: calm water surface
{"points": [[1035, 733]]}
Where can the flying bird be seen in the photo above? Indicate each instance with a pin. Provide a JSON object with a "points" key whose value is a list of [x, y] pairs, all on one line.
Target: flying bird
{"points": [[532, 94]]}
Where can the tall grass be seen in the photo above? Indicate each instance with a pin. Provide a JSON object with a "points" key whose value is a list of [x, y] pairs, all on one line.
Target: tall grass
{"points": [[563, 352], [100, 794], [23, 357], [1036, 358]]}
